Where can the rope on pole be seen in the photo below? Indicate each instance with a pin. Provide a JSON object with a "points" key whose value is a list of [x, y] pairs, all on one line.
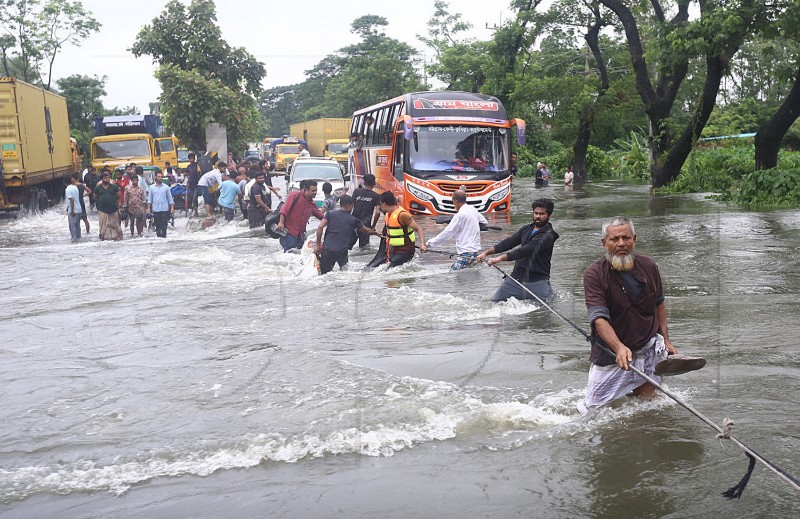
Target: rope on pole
{"points": [[732, 493]]}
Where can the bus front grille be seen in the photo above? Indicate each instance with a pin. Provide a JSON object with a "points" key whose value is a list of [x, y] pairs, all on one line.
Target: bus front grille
{"points": [[449, 187]]}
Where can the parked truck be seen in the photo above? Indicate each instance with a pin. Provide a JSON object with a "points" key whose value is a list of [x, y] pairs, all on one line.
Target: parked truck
{"points": [[325, 136], [337, 148], [36, 152], [285, 150], [124, 139]]}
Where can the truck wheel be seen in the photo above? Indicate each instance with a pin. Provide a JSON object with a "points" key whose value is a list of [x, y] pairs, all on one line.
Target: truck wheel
{"points": [[37, 201]]}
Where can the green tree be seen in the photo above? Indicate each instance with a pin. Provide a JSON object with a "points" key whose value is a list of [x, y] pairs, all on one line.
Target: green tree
{"points": [[37, 30], [203, 79], [84, 102], [280, 107], [18, 21], [771, 133], [84, 99], [7, 42], [460, 63], [511, 42], [374, 69], [660, 71]]}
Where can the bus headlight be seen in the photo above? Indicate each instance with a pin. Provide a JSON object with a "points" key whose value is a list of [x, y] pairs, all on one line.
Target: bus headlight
{"points": [[499, 195], [417, 192]]}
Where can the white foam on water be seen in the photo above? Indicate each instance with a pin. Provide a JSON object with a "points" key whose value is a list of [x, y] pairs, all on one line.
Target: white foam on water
{"points": [[409, 412], [392, 414], [566, 403], [428, 307]]}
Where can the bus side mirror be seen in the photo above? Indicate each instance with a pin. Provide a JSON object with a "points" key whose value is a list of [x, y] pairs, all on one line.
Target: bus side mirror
{"points": [[408, 133], [520, 124]]}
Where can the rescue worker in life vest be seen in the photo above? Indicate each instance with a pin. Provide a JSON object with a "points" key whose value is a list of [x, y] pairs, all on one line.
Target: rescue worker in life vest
{"points": [[401, 231]]}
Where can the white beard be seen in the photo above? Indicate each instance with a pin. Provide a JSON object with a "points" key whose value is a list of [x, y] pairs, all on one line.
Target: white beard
{"points": [[622, 263]]}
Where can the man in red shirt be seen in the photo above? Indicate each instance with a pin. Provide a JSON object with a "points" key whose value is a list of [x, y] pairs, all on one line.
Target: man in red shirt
{"points": [[296, 210]]}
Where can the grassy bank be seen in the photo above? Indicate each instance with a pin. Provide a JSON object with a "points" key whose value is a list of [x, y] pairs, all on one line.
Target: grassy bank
{"points": [[730, 173]]}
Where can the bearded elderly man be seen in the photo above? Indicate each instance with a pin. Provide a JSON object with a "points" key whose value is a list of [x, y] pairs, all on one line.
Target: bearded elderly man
{"points": [[625, 302]]}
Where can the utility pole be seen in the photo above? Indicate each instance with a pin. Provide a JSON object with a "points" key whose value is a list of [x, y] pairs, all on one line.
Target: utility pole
{"points": [[495, 26]]}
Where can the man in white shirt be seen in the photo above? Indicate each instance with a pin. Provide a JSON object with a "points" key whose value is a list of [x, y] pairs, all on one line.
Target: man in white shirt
{"points": [[303, 151], [569, 176], [465, 229], [209, 183]]}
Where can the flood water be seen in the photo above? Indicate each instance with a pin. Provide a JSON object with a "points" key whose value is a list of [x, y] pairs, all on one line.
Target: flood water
{"points": [[204, 375]]}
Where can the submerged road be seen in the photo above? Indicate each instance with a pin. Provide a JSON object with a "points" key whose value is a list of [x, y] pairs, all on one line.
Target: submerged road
{"points": [[203, 375]]}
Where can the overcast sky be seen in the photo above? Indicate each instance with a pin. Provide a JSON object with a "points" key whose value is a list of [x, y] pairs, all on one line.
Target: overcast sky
{"points": [[288, 37]]}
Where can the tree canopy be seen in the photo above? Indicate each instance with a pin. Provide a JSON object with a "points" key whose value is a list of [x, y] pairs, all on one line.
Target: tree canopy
{"points": [[203, 79], [84, 102], [374, 69], [35, 31]]}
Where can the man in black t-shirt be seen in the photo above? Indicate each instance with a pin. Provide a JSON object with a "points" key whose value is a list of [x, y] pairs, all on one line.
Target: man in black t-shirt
{"points": [[92, 179], [366, 207], [341, 226], [264, 166], [193, 174], [258, 209]]}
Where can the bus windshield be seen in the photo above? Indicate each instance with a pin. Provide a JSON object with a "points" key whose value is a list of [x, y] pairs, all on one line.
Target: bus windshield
{"points": [[459, 148]]}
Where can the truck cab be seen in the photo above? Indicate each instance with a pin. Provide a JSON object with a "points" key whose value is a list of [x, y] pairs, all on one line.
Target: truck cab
{"points": [[121, 140], [337, 148], [285, 150]]}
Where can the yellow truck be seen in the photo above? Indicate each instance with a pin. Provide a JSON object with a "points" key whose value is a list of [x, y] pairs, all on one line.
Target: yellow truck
{"points": [[36, 153], [337, 148], [321, 133], [124, 139], [284, 150]]}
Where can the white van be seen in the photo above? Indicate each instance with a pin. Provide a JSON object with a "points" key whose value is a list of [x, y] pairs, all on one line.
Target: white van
{"points": [[321, 170]]}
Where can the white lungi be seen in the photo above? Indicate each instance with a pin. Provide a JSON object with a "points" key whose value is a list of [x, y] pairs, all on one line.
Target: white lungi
{"points": [[608, 383]]}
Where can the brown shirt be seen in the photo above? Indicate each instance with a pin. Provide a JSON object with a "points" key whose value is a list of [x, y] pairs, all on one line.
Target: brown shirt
{"points": [[628, 302], [134, 200]]}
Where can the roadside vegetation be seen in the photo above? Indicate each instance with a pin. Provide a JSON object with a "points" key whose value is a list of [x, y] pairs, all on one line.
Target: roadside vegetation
{"points": [[607, 87]]}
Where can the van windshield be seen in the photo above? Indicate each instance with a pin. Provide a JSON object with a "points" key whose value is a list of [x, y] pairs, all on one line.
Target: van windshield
{"points": [[316, 172], [289, 149]]}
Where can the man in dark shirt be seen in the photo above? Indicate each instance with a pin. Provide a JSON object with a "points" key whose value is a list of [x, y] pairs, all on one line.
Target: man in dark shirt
{"points": [[341, 225], [534, 249], [259, 207], [625, 302], [539, 176], [264, 165], [107, 198], [366, 207], [193, 173], [91, 179]]}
